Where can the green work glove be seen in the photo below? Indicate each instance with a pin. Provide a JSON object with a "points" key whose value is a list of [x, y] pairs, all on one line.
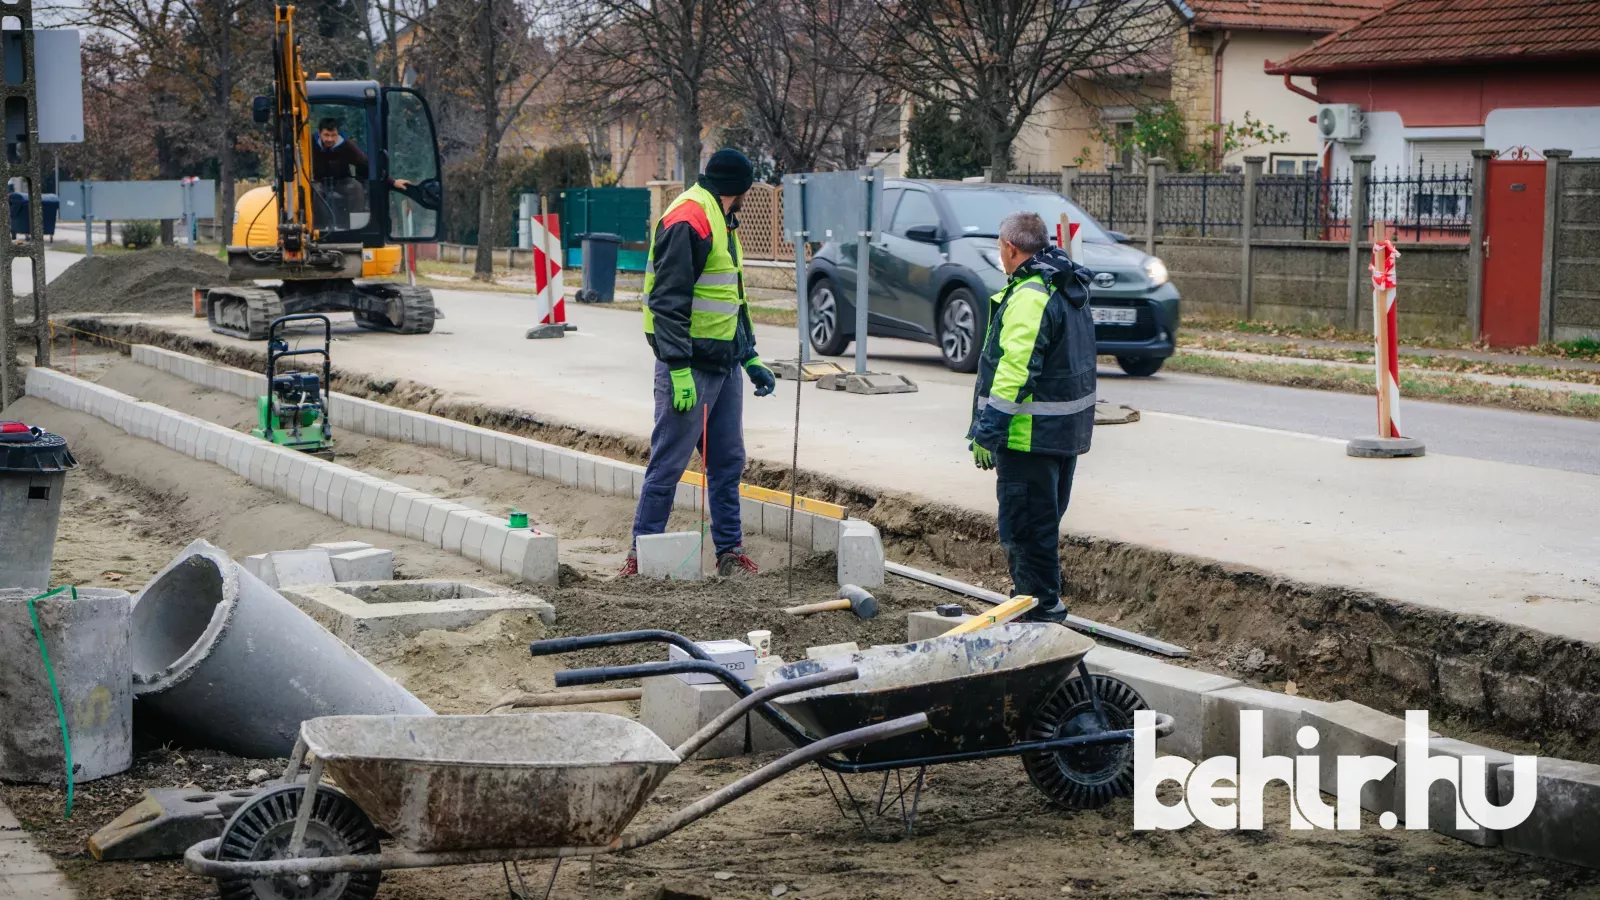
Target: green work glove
{"points": [[683, 392], [982, 458]]}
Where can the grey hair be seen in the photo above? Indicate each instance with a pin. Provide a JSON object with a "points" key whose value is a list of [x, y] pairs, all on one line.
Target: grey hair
{"points": [[1024, 231]]}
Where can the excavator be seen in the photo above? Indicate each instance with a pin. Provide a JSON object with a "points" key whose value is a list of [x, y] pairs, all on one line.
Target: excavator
{"points": [[321, 235]]}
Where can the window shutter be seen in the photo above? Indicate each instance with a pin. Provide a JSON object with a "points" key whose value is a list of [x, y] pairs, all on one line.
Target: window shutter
{"points": [[1443, 157]]}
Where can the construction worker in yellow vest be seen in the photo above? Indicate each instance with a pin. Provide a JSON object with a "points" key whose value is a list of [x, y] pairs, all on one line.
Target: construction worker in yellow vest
{"points": [[698, 324]]}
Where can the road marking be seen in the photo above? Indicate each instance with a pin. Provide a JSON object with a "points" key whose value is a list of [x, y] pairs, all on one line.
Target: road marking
{"points": [[1278, 431]]}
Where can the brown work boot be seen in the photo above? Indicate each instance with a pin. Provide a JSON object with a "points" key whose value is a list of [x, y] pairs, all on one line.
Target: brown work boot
{"points": [[734, 562], [630, 566]]}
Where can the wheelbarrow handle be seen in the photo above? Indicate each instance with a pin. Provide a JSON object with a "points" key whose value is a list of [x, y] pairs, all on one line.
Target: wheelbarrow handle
{"points": [[602, 674], [769, 772], [783, 688], [552, 646]]}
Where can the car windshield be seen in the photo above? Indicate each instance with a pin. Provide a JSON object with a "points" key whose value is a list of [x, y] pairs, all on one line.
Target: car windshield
{"points": [[979, 211]]}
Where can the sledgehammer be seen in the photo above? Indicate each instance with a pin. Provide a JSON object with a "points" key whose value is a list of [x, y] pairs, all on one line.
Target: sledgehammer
{"points": [[853, 598]]}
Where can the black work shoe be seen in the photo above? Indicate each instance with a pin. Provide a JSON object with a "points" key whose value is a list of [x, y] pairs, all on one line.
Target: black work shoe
{"points": [[1055, 615], [734, 562]]}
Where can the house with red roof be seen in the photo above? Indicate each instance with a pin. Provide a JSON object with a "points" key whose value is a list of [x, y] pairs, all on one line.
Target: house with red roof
{"points": [[1422, 83]]}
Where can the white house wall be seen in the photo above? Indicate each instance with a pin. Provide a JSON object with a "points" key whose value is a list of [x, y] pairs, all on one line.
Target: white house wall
{"points": [[1246, 87], [1575, 128]]}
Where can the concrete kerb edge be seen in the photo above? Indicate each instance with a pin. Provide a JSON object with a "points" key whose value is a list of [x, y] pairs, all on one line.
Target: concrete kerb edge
{"points": [[572, 468]]}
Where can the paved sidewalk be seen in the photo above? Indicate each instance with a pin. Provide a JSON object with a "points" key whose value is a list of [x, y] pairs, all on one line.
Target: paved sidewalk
{"points": [[27, 873], [1514, 542], [1506, 359]]}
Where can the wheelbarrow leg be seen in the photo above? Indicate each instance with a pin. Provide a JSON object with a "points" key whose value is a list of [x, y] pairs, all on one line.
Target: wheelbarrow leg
{"points": [[1094, 695], [916, 797], [298, 837], [854, 804]]}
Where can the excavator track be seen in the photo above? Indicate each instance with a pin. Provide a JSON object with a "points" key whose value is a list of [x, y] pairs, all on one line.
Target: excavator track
{"points": [[243, 312], [411, 308]]}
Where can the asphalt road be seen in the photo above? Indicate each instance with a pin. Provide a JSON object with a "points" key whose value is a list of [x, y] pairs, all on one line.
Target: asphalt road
{"points": [[1553, 442]]}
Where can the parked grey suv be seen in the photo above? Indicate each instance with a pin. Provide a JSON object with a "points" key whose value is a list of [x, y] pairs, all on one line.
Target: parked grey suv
{"points": [[935, 264]]}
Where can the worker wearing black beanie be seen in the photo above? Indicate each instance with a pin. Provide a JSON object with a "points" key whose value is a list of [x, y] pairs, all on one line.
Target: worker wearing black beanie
{"points": [[698, 323]]}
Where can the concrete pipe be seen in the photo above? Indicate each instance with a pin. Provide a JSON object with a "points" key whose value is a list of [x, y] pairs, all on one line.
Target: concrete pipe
{"points": [[218, 652], [87, 639]]}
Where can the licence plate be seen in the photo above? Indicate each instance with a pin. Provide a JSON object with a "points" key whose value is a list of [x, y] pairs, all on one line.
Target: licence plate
{"points": [[1114, 315]]}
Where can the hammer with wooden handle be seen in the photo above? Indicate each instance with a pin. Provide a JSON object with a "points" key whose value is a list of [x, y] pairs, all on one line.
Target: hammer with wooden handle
{"points": [[853, 598]]}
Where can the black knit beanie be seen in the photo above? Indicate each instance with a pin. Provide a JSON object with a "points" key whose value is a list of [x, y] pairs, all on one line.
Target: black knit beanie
{"points": [[728, 173]]}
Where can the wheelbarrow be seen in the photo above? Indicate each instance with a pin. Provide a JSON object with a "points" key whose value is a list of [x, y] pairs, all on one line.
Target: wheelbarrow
{"points": [[462, 790], [1018, 689]]}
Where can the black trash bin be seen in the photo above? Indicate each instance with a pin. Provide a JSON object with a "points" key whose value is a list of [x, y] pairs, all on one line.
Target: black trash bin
{"points": [[599, 267], [50, 205]]}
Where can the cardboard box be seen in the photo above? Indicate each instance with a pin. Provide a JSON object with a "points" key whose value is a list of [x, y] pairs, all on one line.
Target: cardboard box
{"points": [[735, 656]]}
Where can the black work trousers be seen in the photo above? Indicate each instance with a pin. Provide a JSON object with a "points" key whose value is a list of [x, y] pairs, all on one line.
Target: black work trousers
{"points": [[1033, 489]]}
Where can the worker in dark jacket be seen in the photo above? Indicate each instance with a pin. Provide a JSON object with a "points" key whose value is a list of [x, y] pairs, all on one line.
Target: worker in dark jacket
{"points": [[698, 324], [1033, 408]]}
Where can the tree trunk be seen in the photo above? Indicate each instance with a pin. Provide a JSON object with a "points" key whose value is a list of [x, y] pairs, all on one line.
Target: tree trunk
{"points": [[489, 94], [689, 147], [225, 109], [1000, 159]]}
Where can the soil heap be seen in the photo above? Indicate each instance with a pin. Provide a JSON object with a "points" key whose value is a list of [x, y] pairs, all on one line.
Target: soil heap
{"points": [[158, 280]]}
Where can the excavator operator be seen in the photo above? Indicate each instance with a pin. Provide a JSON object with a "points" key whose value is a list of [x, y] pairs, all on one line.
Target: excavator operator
{"points": [[338, 171]]}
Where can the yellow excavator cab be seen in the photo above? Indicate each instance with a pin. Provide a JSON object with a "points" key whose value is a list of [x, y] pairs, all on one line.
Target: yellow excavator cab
{"points": [[255, 224]]}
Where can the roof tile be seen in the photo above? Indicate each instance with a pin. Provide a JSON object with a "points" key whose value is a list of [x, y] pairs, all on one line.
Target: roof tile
{"points": [[1315, 16], [1416, 33]]}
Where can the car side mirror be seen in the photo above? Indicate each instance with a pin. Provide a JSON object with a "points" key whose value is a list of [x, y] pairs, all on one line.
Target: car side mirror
{"points": [[261, 110], [923, 234]]}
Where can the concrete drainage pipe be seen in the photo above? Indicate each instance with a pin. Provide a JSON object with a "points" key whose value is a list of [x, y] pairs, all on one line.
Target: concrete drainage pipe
{"points": [[221, 654]]}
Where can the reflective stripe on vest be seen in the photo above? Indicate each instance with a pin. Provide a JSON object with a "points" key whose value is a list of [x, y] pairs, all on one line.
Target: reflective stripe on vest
{"points": [[718, 291], [1033, 286], [1038, 407]]}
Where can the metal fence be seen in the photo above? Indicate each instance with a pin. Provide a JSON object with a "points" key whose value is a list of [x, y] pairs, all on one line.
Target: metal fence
{"points": [[1051, 180], [1203, 204], [1434, 203], [1304, 207], [1113, 200]]}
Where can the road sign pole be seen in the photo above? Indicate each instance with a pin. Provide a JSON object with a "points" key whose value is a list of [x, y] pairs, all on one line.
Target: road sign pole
{"points": [[863, 261]]}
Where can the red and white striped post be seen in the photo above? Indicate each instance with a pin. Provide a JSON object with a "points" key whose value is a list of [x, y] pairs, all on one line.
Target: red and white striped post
{"points": [[1389, 443]]}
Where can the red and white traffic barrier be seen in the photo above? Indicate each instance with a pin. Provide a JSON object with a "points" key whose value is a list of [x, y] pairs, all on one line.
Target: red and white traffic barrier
{"points": [[547, 279], [1390, 442], [1069, 237]]}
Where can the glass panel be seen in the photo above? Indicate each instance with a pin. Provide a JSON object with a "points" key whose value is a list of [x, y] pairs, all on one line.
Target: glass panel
{"points": [[978, 211], [415, 196], [340, 167], [916, 208]]}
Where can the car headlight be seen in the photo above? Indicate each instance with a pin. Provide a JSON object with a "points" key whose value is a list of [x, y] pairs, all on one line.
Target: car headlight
{"points": [[992, 256], [1156, 271]]}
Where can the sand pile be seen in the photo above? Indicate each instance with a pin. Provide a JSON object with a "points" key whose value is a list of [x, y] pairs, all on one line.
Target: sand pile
{"points": [[158, 280]]}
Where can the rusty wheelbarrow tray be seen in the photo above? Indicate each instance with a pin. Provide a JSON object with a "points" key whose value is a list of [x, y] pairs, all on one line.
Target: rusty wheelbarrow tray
{"points": [[458, 790], [1018, 689]]}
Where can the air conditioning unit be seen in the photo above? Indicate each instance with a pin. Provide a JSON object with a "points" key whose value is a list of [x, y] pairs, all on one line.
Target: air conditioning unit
{"points": [[1339, 122]]}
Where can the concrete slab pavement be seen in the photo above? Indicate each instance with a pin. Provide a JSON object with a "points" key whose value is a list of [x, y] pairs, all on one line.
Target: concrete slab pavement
{"points": [[27, 873], [1471, 536]]}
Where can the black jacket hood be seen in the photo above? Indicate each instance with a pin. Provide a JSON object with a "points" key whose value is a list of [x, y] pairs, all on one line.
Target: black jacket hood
{"points": [[1054, 266]]}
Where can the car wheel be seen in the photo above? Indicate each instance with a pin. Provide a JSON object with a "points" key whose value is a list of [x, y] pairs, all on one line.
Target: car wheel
{"points": [[824, 314], [961, 330], [1140, 366]]}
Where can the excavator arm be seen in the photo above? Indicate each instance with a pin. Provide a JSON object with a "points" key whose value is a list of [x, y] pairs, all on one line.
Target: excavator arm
{"points": [[292, 130]]}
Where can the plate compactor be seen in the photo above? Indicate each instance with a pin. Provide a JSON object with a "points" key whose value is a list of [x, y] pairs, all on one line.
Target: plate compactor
{"points": [[294, 411]]}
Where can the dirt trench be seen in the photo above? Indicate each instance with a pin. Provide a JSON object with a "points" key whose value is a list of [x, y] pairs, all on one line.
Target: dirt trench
{"points": [[1482, 676]]}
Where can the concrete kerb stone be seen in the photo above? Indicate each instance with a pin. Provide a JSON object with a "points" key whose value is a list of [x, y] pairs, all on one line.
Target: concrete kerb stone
{"points": [[458, 436], [586, 475], [371, 564], [1175, 690], [1280, 720], [472, 537], [319, 490], [686, 497], [417, 519], [1348, 728], [300, 567], [674, 710], [925, 624], [472, 443], [532, 556], [1442, 794], [674, 555], [825, 535], [751, 520], [860, 554], [516, 454], [367, 615], [455, 527], [401, 511], [438, 516], [492, 548], [1565, 822]]}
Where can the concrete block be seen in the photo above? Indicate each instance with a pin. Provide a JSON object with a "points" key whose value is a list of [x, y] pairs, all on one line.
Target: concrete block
{"points": [[334, 547], [455, 525], [568, 465], [586, 473], [1348, 728], [458, 437], [502, 452], [604, 484], [300, 567], [775, 524], [370, 616], [217, 447], [472, 443], [531, 556], [860, 559], [472, 538], [339, 480], [400, 512], [319, 490], [623, 478], [1442, 795], [371, 564], [281, 470], [516, 454], [493, 546], [1280, 720], [350, 504], [383, 504], [262, 458], [825, 535], [187, 432], [1565, 822], [675, 711], [925, 624], [831, 650], [417, 519], [686, 497], [1103, 660], [675, 555], [751, 520], [438, 515], [638, 483], [406, 426], [258, 566], [1179, 692]]}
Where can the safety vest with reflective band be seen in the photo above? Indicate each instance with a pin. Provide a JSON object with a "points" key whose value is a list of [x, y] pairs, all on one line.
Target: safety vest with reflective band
{"points": [[719, 289], [1038, 365]]}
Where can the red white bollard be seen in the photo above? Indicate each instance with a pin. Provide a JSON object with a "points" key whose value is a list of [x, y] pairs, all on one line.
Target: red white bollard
{"points": [[1389, 443], [547, 280]]}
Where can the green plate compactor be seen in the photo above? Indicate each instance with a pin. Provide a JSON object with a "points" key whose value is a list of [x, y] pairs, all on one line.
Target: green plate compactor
{"points": [[294, 412]]}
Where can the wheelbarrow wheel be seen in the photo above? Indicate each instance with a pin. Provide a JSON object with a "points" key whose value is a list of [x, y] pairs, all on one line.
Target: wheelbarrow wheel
{"points": [[1092, 775], [261, 830]]}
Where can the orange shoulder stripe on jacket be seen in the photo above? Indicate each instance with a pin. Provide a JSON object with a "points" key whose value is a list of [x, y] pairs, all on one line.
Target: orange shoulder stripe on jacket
{"points": [[691, 213]]}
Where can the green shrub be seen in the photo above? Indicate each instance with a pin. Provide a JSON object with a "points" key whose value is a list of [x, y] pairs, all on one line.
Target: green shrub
{"points": [[141, 233]]}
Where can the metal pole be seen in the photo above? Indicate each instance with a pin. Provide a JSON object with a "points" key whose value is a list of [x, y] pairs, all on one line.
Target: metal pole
{"points": [[863, 260], [801, 301], [88, 218]]}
